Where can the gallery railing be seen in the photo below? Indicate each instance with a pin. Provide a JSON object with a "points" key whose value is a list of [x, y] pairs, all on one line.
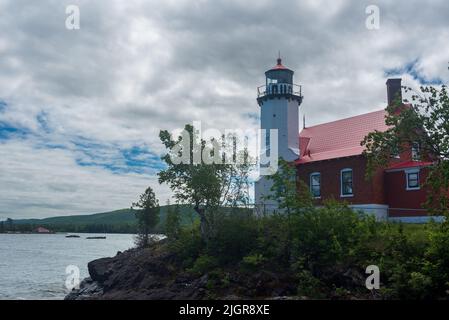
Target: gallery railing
{"points": [[279, 88]]}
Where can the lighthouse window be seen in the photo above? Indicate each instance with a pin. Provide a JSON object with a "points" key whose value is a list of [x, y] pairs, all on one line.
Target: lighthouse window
{"points": [[267, 139], [315, 184], [346, 183]]}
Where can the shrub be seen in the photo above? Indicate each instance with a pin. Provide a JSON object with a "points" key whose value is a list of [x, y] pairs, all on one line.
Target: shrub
{"points": [[188, 245], [273, 242], [203, 264], [317, 247], [420, 286], [234, 238], [437, 259], [331, 236], [253, 261], [309, 286], [218, 279]]}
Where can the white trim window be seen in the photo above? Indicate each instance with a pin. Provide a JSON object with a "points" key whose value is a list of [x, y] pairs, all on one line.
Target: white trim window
{"points": [[315, 184], [346, 183], [412, 179], [416, 151]]}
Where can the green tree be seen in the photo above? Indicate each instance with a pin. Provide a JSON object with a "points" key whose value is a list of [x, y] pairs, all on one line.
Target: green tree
{"points": [[293, 198], [291, 195], [425, 123], [173, 222], [203, 178], [147, 214]]}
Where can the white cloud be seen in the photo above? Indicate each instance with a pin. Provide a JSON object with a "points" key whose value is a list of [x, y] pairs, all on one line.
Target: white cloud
{"points": [[41, 182]]}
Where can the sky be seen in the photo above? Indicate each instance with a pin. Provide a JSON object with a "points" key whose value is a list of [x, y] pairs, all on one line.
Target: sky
{"points": [[81, 109]]}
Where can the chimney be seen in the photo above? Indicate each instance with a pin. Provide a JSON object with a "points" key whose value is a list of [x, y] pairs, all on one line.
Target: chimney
{"points": [[394, 91]]}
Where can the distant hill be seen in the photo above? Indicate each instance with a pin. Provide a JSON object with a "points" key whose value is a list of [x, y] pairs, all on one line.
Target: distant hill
{"points": [[123, 219]]}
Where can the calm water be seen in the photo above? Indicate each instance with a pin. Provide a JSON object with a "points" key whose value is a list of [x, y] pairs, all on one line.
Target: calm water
{"points": [[33, 266]]}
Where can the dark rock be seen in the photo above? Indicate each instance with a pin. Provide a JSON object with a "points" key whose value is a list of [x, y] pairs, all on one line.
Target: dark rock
{"points": [[100, 269], [88, 289], [139, 274], [154, 273]]}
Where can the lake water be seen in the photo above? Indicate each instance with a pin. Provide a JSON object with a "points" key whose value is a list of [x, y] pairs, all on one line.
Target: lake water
{"points": [[33, 266]]}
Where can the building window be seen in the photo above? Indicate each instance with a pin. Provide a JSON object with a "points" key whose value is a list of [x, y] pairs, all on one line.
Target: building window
{"points": [[416, 151], [412, 177], [315, 184], [346, 183]]}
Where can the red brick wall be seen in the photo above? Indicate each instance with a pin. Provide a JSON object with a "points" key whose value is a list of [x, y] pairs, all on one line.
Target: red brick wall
{"points": [[365, 192], [399, 197]]}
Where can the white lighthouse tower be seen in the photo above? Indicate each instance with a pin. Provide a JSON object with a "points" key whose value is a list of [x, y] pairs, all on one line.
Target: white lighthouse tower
{"points": [[279, 100]]}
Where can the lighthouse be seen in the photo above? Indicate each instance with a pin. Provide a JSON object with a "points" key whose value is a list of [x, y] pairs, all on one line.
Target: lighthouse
{"points": [[279, 100]]}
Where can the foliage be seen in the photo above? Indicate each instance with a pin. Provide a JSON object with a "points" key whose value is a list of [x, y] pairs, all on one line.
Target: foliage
{"points": [[203, 264], [253, 261], [285, 190], [147, 214], [198, 175], [437, 259], [309, 286], [188, 246], [234, 238], [173, 222], [326, 244], [331, 236]]}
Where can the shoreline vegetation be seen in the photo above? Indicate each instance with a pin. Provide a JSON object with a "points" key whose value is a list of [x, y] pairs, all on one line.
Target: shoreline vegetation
{"points": [[321, 253]]}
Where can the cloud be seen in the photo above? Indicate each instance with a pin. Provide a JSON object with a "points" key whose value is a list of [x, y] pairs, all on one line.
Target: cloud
{"points": [[38, 182], [413, 69], [93, 100]]}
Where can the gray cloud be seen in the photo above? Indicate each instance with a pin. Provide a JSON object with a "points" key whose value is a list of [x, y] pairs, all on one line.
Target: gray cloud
{"points": [[136, 67]]}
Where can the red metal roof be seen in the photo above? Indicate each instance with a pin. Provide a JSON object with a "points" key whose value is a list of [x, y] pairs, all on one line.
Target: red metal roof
{"points": [[339, 138], [409, 164]]}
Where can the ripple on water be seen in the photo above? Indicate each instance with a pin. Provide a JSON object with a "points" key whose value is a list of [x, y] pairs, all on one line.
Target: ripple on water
{"points": [[33, 266]]}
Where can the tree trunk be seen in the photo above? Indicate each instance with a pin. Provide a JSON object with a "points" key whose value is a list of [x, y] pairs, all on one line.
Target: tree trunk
{"points": [[204, 223]]}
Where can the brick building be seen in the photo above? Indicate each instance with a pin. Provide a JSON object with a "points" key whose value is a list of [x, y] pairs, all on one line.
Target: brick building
{"points": [[332, 164]]}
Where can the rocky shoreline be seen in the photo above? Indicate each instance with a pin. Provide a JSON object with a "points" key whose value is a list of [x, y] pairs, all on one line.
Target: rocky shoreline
{"points": [[152, 274], [155, 274], [137, 274]]}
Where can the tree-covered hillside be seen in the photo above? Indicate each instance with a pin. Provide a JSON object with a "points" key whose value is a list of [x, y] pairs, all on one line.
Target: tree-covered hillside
{"points": [[123, 220]]}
